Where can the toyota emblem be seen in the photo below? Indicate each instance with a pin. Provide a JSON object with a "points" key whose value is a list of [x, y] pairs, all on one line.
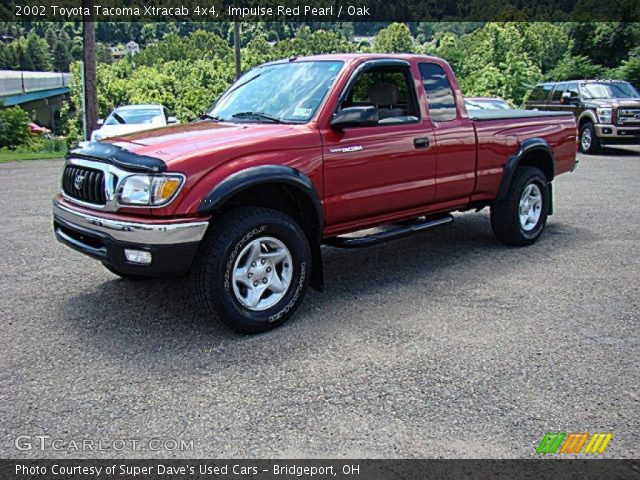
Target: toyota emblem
{"points": [[78, 181]]}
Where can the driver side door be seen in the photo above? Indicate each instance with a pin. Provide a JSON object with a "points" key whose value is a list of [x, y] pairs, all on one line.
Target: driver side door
{"points": [[372, 173]]}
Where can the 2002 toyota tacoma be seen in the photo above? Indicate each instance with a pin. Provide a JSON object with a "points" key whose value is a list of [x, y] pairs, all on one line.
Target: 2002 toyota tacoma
{"points": [[299, 153]]}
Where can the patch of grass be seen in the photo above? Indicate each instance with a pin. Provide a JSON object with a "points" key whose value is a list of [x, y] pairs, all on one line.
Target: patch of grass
{"points": [[42, 150], [8, 156]]}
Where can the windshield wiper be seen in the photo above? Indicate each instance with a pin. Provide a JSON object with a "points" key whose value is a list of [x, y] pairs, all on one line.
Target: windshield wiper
{"points": [[118, 118], [206, 116], [257, 115]]}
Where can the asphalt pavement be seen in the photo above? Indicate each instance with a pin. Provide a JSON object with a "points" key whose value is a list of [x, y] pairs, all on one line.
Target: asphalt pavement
{"points": [[444, 344]]}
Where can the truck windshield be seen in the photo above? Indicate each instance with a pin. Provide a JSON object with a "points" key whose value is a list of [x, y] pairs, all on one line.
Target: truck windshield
{"points": [[609, 90], [277, 93]]}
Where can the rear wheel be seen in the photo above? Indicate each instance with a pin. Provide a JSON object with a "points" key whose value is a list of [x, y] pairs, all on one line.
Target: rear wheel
{"points": [[253, 269], [520, 218], [589, 143]]}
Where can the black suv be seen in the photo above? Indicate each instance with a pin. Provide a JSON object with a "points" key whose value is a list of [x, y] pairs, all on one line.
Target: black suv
{"points": [[608, 111]]}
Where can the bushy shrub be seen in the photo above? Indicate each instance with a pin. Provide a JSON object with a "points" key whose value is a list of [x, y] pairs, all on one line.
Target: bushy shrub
{"points": [[14, 127]]}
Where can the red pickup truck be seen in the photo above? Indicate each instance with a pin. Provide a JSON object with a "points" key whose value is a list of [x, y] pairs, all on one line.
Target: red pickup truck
{"points": [[304, 152]]}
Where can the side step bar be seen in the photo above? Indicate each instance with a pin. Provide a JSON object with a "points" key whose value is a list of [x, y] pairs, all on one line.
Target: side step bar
{"points": [[391, 234]]}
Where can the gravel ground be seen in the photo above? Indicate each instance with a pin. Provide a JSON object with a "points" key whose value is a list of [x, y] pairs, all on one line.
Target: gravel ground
{"points": [[445, 344]]}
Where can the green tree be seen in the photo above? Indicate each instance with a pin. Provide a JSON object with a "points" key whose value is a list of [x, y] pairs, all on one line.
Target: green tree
{"points": [[103, 53], [396, 38], [604, 43], [629, 70], [61, 56], [574, 67], [14, 127], [37, 50]]}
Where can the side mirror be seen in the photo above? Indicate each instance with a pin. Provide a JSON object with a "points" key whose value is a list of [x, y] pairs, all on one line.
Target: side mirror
{"points": [[567, 99], [100, 122], [172, 120], [365, 116]]}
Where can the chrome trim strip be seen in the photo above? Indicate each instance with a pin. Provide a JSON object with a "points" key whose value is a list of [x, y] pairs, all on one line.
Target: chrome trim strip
{"points": [[142, 233], [113, 177]]}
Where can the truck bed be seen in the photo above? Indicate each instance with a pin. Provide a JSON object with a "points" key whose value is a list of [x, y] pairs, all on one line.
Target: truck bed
{"points": [[511, 113]]}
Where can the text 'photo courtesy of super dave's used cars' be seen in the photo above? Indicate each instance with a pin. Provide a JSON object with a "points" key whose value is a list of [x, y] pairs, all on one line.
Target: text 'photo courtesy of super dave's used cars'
{"points": [[340, 149]]}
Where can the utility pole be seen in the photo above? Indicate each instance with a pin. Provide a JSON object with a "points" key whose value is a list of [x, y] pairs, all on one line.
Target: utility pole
{"points": [[236, 47], [90, 91]]}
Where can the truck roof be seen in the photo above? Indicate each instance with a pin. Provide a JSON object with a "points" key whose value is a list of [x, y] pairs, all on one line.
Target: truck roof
{"points": [[352, 57]]}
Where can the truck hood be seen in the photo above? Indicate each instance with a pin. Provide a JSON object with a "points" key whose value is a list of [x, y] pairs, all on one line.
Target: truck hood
{"points": [[177, 142], [108, 131]]}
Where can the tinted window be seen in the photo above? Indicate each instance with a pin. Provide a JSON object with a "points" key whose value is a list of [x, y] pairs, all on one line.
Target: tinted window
{"points": [[557, 93], [389, 89], [440, 98], [572, 88], [540, 93]]}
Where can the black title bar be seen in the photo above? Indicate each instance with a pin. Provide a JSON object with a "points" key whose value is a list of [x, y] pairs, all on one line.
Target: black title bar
{"points": [[320, 10]]}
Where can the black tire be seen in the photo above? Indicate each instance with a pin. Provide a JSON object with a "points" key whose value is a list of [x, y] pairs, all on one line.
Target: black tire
{"points": [[224, 245], [505, 215], [126, 276], [593, 144]]}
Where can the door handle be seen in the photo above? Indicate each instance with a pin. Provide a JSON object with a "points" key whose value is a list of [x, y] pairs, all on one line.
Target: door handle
{"points": [[421, 142]]}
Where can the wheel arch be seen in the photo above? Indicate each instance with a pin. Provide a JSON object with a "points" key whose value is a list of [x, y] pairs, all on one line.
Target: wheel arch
{"points": [[586, 117], [278, 187], [534, 152]]}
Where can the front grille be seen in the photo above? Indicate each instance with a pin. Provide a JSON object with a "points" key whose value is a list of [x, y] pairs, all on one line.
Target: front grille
{"points": [[629, 116], [86, 184]]}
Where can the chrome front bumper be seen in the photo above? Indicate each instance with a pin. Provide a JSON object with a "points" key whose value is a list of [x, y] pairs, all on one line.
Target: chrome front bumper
{"points": [[132, 232], [610, 132]]}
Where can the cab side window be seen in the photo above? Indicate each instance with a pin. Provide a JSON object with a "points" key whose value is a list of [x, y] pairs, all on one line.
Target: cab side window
{"points": [[390, 90], [557, 93], [572, 88], [540, 93], [440, 97]]}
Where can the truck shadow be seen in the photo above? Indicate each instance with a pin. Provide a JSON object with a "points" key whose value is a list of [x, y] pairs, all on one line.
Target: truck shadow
{"points": [[159, 318]]}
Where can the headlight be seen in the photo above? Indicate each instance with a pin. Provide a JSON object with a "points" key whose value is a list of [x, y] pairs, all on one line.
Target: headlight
{"points": [[152, 190], [97, 137], [604, 115]]}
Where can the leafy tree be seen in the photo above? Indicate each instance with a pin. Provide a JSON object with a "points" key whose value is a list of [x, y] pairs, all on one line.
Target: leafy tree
{"points": [[396, 38], [497, 62], [103, 53], [37, 50], [14, 127], [629, 70], [604, 43], [574, 67], [51, 36], [61, 56]]}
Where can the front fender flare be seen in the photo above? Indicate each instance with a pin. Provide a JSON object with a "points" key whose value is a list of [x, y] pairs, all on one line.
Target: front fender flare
{"points": [[262, 175], [278, 175]]}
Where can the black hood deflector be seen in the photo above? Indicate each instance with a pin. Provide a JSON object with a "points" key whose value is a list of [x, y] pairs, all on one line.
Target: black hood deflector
{"points": [[118, 156]]}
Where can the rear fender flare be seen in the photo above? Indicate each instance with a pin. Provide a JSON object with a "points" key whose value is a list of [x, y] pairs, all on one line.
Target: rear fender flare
{"points": [[513, 162]]}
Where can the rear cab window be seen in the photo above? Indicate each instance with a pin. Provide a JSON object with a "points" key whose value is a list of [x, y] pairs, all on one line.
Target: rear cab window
{"points": [[440, 98]]}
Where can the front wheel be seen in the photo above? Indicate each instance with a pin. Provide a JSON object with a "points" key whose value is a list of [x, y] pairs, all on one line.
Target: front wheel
{"points": [[589, 143], [520, 218], [254, 269]]}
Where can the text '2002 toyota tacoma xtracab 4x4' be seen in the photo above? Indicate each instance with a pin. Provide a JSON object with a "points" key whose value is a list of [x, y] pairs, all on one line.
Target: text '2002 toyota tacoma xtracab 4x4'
{"points": [[300, 153]]}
